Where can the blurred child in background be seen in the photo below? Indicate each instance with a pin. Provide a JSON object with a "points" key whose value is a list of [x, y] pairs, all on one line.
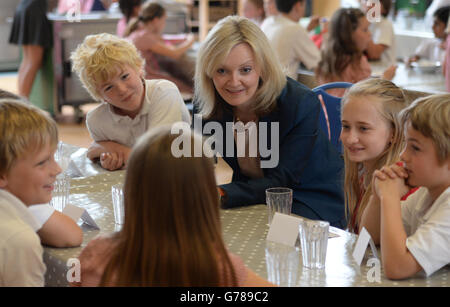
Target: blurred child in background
{"points": [[254, 10], [434, 50], [343, 56]]}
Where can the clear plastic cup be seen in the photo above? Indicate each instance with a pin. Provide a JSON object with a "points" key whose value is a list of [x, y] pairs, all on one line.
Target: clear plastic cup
{"points": [[278, 200], [282, 264], [314, 241], [118, 204], [61, 192]]}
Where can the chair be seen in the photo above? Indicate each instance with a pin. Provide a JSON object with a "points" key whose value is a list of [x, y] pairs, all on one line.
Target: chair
{"points": [[330, 112]]}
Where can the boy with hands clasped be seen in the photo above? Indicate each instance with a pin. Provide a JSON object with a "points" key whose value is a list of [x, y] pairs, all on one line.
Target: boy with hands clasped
{"points": [[415, 234]]}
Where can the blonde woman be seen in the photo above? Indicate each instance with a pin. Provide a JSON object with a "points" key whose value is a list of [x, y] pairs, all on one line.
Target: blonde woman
{"points": [[239, 79], [172, 233], [372, 138]]}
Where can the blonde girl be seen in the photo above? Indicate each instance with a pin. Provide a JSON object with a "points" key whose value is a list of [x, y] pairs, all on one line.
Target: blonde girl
{"points": [[372, 138]]}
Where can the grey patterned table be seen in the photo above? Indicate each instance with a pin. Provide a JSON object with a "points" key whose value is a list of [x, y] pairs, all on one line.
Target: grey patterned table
{"points": [[244, 229]]}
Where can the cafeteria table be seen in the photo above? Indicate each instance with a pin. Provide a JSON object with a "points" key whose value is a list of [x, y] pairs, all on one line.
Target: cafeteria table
{"points": [[244, 229]]}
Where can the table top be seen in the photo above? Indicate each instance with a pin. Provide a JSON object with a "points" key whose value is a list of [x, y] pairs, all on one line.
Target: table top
{"points": [[244, 230], [411, 79], [406, 77]]}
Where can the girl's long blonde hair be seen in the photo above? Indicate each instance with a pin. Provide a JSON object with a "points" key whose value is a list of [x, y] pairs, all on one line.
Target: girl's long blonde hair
{"points": [[172, 234], [392, 101]]}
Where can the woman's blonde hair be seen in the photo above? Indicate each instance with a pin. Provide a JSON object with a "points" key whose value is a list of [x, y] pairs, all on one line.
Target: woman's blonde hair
{"points": [[431, 117], [227, 33], [149, 11], [99, 58], [391, 100], [24, 129], [172, 233]]}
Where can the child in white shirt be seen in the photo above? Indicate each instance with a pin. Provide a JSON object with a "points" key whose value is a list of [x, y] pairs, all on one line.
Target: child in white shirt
{"points": [[415, 234], [434, 49], [112, 71], [27, 173], [289, 39], [383, 46]]}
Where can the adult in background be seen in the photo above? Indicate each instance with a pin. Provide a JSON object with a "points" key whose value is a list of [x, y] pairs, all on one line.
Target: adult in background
{"points": [[239, 79], [33, 32]]}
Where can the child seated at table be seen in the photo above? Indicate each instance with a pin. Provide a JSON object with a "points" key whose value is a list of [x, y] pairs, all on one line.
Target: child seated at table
{"points": [[172, 214], [56, 229], [415, 234], [371, 136], [162, 60], [112, 71], [129, 9], [270, 8], [343, 56], [434, 49], [27, 174], [382, 46]]}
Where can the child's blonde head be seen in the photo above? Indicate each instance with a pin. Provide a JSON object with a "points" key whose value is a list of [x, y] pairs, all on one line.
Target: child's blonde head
{"points": [[431, 117], [99, 58], [390, 101], [24, 129]]}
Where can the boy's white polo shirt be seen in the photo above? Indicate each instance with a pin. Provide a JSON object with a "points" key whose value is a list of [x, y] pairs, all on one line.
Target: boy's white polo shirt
{"points": [[162, 105], [428, 229], [21, 253]]}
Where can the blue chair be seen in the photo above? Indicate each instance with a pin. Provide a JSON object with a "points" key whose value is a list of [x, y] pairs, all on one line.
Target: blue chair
{"points": [[330, 112]]}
